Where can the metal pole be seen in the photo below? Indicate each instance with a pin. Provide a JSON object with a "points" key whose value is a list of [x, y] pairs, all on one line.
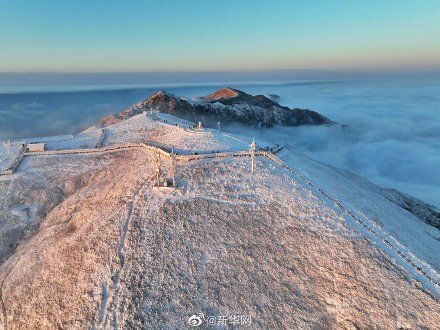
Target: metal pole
{"points": [[157, 165], [173, 166], [252, 147]]}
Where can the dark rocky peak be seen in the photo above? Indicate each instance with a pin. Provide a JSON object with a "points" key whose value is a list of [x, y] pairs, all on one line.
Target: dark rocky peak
{"points": [[159, 97], [165, 102]]}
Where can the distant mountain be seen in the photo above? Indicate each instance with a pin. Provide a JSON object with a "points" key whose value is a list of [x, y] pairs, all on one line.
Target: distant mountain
{"points": [[225, 105]]}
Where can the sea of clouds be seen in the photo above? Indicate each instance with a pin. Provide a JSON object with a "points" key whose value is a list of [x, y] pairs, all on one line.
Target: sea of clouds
{"points": [[392, 138]]}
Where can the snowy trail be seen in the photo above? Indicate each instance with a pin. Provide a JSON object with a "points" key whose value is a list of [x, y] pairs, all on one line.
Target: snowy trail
{"points": [[109, 314], [112, 294]]}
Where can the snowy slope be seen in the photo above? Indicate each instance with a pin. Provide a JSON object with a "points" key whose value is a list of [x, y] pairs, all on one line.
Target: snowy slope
{"points": [[368, 202], [86, 241]]}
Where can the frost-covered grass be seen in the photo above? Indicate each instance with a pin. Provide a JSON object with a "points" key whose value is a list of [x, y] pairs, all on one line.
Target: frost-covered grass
{"points": [[134, 129], [264, 244], [269, 245], [418, 240]]}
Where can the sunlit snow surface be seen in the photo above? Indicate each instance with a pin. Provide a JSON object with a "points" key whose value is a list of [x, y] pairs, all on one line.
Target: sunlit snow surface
{"points": [[274, 231], [141, 128], [357, 194]]}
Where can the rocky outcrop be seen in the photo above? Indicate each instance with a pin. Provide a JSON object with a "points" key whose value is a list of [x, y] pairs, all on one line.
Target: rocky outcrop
{"points": [[167, 103], [424, 211], [225, 105]]}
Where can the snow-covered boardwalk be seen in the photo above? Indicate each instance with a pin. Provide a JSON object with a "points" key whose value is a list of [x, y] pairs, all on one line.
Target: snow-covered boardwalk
{"points": [[153, 147]]}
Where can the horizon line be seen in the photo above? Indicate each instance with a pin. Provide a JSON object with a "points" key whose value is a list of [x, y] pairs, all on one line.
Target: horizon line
{"points": [[287, 70]]}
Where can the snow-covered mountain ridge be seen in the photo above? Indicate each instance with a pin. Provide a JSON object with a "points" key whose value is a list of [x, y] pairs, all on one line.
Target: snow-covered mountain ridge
{"points": [[87, 241], [226, 105]]}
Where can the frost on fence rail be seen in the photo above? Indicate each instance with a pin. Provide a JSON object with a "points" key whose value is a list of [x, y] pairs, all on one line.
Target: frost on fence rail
{"points": [[155, 147]]}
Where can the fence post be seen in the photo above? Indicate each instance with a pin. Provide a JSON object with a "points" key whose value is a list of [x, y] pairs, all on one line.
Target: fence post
{"points": [[252, 147]]}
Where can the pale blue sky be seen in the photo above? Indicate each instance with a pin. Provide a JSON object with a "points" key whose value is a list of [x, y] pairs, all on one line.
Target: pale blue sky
{"points": [[199, 35]]}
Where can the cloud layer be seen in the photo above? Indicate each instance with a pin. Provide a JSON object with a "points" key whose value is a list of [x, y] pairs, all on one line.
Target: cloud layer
{"points": [[393, 138]]}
